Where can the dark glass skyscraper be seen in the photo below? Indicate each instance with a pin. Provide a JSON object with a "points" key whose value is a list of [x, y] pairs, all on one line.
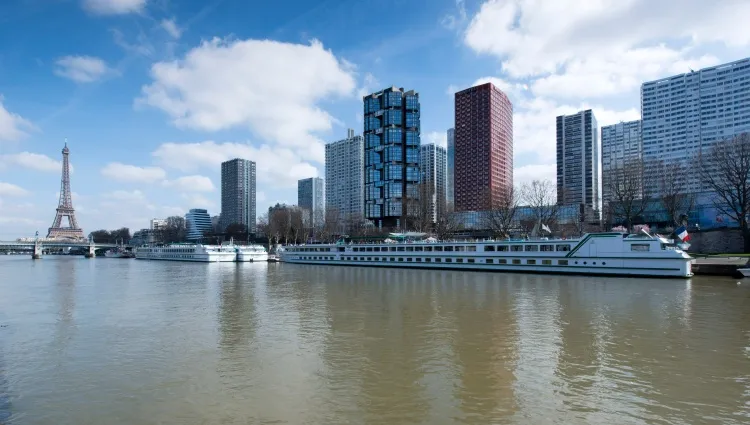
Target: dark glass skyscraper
{"points": [[238, 193], [391, 124], [578, 159]]}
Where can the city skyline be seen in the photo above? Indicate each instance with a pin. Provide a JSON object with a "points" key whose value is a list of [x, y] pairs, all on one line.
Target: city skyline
{"points": [[127, 95]]}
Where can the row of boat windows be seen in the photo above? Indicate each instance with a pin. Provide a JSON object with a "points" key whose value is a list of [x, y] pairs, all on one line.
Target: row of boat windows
{"points": [[514, 261], [454, 248], [172, 250]]}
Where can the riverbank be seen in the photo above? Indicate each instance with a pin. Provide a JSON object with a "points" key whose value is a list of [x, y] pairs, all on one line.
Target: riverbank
{"points": [[719, 266]]}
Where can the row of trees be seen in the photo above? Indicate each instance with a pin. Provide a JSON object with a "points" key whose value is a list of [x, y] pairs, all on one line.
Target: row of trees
{"points": [[121, 235]]}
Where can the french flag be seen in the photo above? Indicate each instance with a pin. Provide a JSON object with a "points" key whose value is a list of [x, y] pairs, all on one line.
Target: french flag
{"points": [[682, 233]]}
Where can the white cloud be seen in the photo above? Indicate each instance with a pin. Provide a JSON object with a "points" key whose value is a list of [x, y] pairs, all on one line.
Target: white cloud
{"points": [[198, 201], [527, 173], [439, 138], [131, 173], [9, 189], [113, 7], [278, 167], [191, 184], [271, 87], [170, 26], [455, 20], [124, 195], [13, 127], [533, 37], [81, 69], [30, 160], [368, 85]]}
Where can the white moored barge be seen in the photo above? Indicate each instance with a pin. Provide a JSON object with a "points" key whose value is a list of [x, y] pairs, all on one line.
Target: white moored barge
{"points": [[613, 254], [187, 252]]}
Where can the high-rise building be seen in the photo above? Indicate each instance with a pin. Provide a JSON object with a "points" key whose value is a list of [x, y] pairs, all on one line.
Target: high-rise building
{"points": [[238, 193], [310, 198], [684, 115], [345, 178], [434, 170], [483, 170], [197, 222], [451, 165], [621, 144], [578, 160], [391, 123], [158, 223]]}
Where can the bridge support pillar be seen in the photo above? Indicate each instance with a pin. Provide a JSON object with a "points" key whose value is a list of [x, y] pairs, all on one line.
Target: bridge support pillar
{"points": [[91, 253], [37, 254]]}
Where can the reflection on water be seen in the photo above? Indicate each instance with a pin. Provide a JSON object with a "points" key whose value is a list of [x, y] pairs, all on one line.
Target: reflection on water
{"points": [[123, 342]]}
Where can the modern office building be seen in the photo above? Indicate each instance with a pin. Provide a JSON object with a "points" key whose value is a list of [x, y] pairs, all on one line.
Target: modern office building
{"points": [[310, 198], [434, 170], [238, 193], [684, 115], [451, 166], [621, 144], [391, 133], [197, 222], [345, 178], [483, 169], [578, 160], [157, 223]]}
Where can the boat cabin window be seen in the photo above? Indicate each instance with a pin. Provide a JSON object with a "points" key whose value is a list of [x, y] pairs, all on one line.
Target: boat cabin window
{"points": [[393, 248], [410, 248], [563, 247], [369, 249], [459, 248], [532, 248], [448, 248], [471, 248], [502, 248], [428, 248], [438, 248], [641, 247], [546, 248], [401, 248], [489, 248], [417, 248], [516, 248]]}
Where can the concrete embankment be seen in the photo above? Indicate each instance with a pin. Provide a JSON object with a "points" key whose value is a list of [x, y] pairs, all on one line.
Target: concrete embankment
{"points": [[719, 266]]}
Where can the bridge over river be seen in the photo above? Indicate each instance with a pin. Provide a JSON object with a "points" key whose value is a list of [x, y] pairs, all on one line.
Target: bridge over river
{"points": [[37, 248]]}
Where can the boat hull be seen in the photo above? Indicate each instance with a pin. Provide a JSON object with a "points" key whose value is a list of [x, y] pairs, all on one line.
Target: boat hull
{"points": [[676, 271]]}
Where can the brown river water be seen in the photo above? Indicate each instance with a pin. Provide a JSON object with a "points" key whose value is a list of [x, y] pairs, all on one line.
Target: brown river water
{"points": [[116, 341]]}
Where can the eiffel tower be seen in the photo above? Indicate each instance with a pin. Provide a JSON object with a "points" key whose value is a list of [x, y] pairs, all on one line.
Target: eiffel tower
{"points": [[65, 206]]}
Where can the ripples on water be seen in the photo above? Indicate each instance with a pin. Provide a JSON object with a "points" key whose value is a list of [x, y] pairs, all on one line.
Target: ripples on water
{"points": [[129, 342]]}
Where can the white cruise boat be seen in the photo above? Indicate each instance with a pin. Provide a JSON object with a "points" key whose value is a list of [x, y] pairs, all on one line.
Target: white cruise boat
{"points": [[613, 254], [251, 253], [118, 252], [187, 252]]}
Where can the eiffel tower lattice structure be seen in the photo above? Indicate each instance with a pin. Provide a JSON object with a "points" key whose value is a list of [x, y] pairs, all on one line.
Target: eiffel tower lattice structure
{"points": [[65, 207]]}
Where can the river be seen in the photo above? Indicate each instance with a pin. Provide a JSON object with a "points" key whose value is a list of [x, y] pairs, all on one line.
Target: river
{"points": [[116, 341]]}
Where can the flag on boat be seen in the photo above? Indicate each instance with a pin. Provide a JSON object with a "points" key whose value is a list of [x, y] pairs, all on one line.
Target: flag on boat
{"points": [[682, 233], [546, 228]]}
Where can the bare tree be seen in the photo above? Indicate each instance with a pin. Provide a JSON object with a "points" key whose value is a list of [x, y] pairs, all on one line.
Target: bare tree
{"points": [[673, 192], [625, 185], [540, 196], [262, 226], [502, 213], [726, 170], [330, 226], [420, 208], [446, 225], [279, 224], [297, 224]]}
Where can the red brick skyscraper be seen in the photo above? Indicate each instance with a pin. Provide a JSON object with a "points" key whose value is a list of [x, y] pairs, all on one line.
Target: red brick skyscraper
{"points": [[484, 147]]}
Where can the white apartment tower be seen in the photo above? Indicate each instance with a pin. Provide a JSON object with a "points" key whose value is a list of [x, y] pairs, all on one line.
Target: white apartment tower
{"points": [[434, 171], [345, 179], [684, 115], [621, 143]]}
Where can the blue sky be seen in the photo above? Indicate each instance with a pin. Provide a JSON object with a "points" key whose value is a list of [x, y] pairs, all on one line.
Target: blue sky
{"points": [[153, 94]]}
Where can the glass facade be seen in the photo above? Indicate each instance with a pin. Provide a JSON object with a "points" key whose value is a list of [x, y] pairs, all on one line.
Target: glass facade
{"points": [[197, 222], [391, 132]]}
